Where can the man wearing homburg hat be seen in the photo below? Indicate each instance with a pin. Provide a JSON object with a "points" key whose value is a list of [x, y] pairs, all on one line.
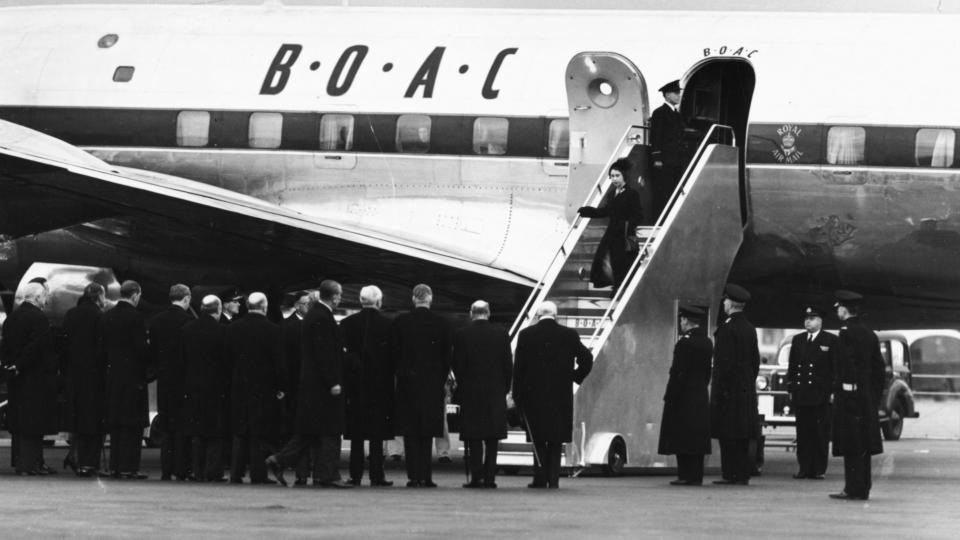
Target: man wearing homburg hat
{"points": [[666, 143], [810, 379], [733, 394], [685, 429], [858, 384]]}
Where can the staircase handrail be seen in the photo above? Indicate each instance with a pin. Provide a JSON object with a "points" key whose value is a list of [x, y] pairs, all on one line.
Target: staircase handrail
{"points": [[658, 226], [579, 223]]}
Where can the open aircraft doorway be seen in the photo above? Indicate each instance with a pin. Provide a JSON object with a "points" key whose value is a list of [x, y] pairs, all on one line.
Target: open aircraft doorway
{"points": [[718, 91], [606, 94]]}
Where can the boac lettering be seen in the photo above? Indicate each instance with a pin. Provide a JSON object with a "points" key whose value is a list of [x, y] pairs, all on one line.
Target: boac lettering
{"points": [[488, 91], [355, 56], [279, 71], [427, 74]]}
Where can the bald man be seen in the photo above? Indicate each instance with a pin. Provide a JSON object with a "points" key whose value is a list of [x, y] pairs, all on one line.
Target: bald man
{"points": [[483, 365], [549, 359], [28, 355]]}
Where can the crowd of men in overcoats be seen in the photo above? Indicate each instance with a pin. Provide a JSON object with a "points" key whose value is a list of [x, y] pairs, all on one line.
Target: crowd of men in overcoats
{"points": [[247, 395], [835, 384]]}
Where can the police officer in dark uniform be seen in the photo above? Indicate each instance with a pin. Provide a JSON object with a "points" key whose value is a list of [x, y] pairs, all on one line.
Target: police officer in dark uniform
{"points": [[27, 352], [858, 385], [549, 359], [205, 376], [666, 146], [810, 382], [421, 343], [685, 429], [733, 394], [164, 332], [123, 344]]}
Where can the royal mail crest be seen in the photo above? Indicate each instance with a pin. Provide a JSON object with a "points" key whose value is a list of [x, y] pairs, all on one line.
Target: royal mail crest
{"points": [[787, 150]]}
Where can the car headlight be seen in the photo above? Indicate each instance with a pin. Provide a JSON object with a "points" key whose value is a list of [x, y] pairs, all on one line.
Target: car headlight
{"points": [[762, 382]]}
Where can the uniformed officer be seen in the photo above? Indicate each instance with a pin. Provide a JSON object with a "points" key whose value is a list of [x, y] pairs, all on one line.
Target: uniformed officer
{"points": [[231, 308], [810, 381], [666, 146], [685, 429], [549, 359], [858, 385], [733, 395]]}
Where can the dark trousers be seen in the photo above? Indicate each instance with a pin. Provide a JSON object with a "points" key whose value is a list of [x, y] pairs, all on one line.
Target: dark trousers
{"points": [[174, 454], [856, 475], [88, 448], [249, 450], [735, 460], [125, 449], [206, 458], [324, 451], [546, 463], [29, 456], [690, 468], [483, 459], [418, 452], [813, 438], [376, 459]]}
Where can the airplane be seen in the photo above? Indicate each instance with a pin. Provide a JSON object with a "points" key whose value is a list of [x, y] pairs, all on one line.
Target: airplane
{"points": [[273, 145]]}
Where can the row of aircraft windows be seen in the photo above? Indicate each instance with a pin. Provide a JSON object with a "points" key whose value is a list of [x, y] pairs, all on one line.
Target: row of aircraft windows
{"points": [[336, 133], [932, 147]]}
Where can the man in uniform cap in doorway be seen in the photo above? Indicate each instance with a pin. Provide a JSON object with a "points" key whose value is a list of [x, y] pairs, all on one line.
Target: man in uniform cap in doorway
{"points": [[685, 429], [810, 379], [858, 385], [666, 146], [733, 396]]}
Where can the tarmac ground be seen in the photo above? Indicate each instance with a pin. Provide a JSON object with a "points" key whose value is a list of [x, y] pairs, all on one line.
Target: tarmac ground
{"points": [[915, 495]]}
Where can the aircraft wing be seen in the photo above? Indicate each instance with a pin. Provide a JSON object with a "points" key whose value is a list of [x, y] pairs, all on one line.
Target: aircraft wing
{"points": [[47, 184]]}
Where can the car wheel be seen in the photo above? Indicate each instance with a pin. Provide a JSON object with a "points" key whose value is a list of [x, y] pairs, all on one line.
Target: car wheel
{"points": [[616, 458], [893, 428]]}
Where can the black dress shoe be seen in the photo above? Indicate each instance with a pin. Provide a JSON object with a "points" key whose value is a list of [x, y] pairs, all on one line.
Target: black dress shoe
{"points": [[44, 470], [413, 484], [844, 496], [428, 484], [86, 472], [445, 459], [29, 473], [133, 476], [274, 467], [490, 485], [816, 477], [731, 482], [300, 482], [536, 485], [238, 481], [473, 484], [333, 484], [800, 476], [685, 483], [381, 483], [353, 481]]}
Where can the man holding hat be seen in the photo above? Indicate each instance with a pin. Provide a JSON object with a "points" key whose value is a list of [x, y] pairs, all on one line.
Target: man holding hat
{"points": [[810, 379], [685, 429], [733, 394], [858, 384], [666, 143]]}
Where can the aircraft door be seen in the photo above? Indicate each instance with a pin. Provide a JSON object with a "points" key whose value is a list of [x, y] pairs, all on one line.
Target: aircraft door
{"points": [[719, 91], [606, 94]]}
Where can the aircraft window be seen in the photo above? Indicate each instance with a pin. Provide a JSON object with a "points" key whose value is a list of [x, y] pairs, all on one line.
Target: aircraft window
{"points": [[558, 138], [413, 133], [490, 136], [336, 132], [935, 147], [845, 145], [193, 128], [264, 130], [123, 74]]}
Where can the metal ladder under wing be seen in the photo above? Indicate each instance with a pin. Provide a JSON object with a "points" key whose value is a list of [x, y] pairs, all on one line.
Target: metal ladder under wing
{"points": [[685, 256]]}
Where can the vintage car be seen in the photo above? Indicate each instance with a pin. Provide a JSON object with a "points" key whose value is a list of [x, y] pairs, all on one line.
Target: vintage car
{"points": [[896, 403]]}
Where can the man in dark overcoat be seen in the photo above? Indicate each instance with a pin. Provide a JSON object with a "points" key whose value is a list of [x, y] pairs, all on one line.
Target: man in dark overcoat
{"points": [[549, 359], [685, 429], [164, 331], [320, 411], [123, 344], [85, 380], [858, 386], [259, 379], [621, 206], [733, 395], [368, 385], [291, 327], [666, 146], [28, 355], [813, 355], [205, 378], [483, 366], [420, 341]]}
